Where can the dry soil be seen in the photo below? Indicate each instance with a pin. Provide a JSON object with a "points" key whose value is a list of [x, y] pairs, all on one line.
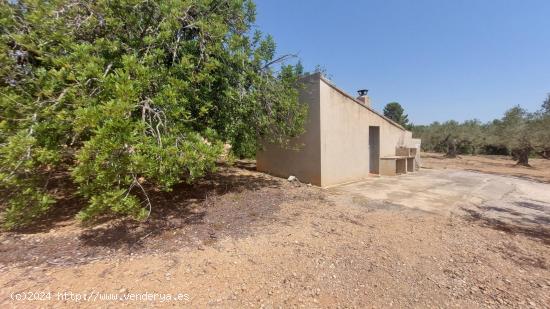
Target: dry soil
{"points": [[245, 239]]}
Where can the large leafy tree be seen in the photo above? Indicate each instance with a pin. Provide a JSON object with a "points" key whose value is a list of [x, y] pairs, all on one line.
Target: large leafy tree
{"points": [[132, 94], [395, 112], [515, 132]]}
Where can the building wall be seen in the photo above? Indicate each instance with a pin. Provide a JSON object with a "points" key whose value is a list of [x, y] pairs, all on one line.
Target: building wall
{"points": [[335, 146], [303, 158], [345, 136]]}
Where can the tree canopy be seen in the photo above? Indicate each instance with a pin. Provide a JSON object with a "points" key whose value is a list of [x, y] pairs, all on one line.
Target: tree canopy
{"points": [[546, 105], [518, 133], [395, 112], [132, 94]]}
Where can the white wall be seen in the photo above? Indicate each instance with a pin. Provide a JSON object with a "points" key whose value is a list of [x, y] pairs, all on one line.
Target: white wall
{"points": [[335, 147], [303, 159], [345, 136]]}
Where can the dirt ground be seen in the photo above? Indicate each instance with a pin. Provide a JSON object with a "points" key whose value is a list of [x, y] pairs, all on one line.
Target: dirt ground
{"points": [[441, 237], [499, 165]]}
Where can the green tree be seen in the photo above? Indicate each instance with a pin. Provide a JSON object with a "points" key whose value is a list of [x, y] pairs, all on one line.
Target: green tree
{"points": [[131, 95], [395, 112], [545, 109], [518, 133], [515, 132], [454, 138], [541, 129]]}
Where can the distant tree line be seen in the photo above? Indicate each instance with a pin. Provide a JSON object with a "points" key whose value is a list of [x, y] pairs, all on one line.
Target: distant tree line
{"points": [[518, 133]]}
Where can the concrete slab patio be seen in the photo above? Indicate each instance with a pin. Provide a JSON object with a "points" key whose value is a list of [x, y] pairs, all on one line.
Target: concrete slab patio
{"points": [[509, 203]]}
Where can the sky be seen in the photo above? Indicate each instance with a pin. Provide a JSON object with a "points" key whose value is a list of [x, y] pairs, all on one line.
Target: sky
{"points": [[441, 59]]}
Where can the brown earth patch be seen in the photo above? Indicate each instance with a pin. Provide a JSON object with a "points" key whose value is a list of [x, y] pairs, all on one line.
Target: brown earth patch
{"points": [[498, 165], [245, 239]]}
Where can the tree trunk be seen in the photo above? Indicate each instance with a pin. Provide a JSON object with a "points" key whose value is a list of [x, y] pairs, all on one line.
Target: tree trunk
{"points": [[522, 156], [451, 149]]}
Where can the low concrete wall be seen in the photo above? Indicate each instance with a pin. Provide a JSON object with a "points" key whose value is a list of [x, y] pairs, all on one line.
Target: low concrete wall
{"points": [[388, 167], [410, 165]]}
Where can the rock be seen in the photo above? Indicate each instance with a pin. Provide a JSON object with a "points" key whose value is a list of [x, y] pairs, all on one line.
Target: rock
{"points": [[292, 178]]}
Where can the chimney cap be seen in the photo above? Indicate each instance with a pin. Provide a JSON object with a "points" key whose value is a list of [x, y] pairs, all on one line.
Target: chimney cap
{"points": [[362, 92]]}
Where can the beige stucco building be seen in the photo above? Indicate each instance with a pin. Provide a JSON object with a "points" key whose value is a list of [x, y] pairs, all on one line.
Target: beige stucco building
{"points": [[345, 140]]}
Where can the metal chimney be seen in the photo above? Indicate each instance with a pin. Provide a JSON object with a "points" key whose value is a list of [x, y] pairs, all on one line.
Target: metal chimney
{"points": [[363, 97]]}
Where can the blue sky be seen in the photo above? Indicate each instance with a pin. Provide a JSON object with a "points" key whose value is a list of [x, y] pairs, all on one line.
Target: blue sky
{"points": [[441, 59]]}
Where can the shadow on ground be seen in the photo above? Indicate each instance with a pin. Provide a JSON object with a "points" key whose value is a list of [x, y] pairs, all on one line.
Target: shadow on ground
{"points": [[536, 225], [229, 203], [518, 175], [226, 197]]}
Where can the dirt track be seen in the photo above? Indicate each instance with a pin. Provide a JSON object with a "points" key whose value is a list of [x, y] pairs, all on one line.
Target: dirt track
{"points": [[271, 243]]}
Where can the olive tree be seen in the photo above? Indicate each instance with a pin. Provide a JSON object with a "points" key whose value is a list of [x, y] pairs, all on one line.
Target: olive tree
{"points": [[541, 129], [515, 132]]}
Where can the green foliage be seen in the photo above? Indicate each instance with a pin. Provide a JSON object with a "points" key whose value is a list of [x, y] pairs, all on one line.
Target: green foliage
{"points": [[540, 129], [395, 112], [518, 133], [116, 201], [513, 130], [545, 109], [132, 94], [450, 137], [30, 204]]}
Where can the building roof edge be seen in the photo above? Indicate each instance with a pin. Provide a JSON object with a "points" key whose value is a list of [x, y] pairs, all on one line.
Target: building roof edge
{"points": [[333, 86]]}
